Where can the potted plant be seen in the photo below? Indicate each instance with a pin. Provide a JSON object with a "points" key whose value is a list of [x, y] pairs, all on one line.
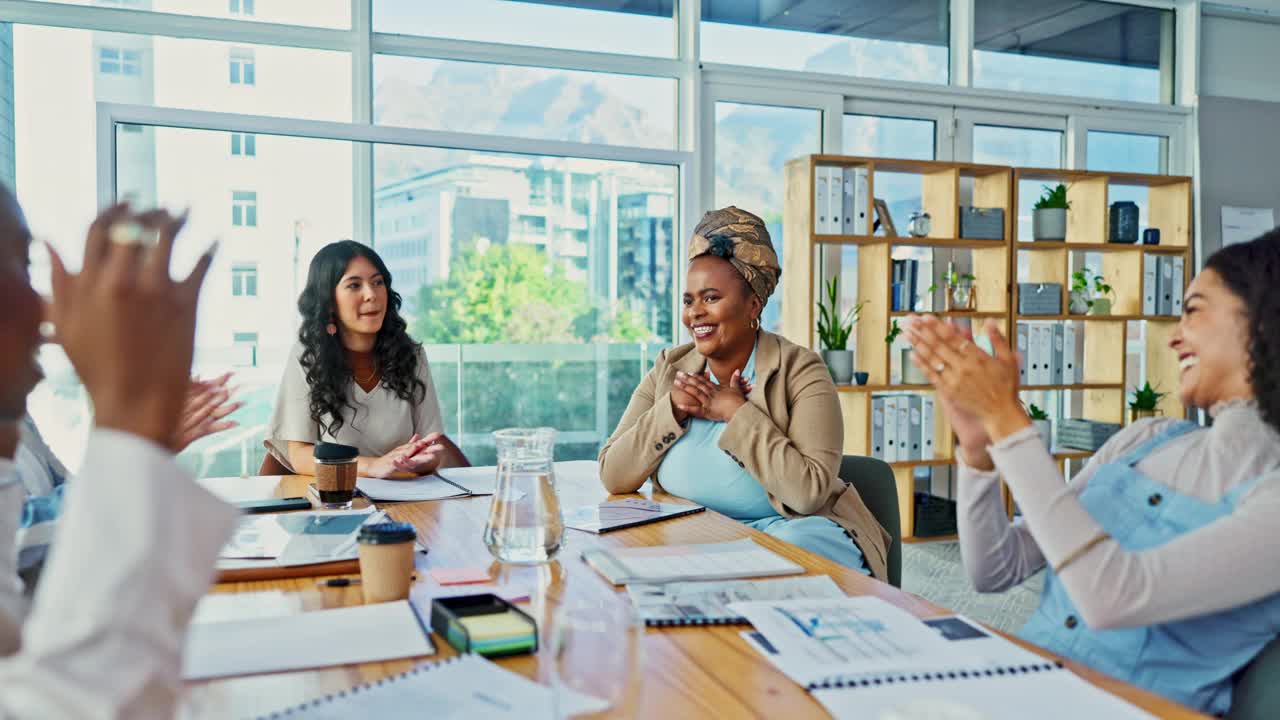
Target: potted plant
{"points": [[1049, 218], [960, 292], [1144, 402], [834, 333], [1090, 294], [1103, 295], [1044, 426]]}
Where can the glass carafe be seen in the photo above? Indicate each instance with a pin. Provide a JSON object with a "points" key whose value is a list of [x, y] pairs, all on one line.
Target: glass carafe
{"points": [[525, 526]]}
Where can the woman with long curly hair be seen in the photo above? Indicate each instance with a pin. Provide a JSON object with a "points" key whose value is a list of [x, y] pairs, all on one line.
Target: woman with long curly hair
{"points": [[356, 377], [1161, 567]]}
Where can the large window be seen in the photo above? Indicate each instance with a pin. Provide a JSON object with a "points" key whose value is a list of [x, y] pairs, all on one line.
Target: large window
{"points": [[567, 146], [886, 40], [752, 144], [646, 27], [316, 13], [525, 101], [1074, 47]]}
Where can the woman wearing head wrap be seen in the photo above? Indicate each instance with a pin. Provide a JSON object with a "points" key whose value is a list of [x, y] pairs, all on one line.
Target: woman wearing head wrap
{"points": [[741, 420]]}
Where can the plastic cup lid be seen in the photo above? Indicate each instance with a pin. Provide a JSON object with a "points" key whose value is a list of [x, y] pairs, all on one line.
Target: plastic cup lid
{"points": [[387, 533]]}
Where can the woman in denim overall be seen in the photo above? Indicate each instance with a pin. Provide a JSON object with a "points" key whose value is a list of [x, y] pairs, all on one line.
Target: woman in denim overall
{"points": [[1160, 552]]}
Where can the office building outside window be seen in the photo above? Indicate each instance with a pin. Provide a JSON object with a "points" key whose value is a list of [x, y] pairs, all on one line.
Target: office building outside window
{"points": [[244, 144], [243, 70], [115, 61], [244, 208], [246, 346], [244, 279]]}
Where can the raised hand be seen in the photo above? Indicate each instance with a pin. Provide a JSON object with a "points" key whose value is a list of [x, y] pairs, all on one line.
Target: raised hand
{"points": [[126, 325], [208, 403]]}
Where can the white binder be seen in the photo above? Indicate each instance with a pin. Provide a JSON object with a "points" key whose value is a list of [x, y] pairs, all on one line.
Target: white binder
{"points": [[914, 410], [1058, 361], [860, 191], [846, 201], [835, 190], [1166, 285], [1070, 370], [821, 200], [1024, 351], [1080, 376], [1041, 353], [891, 428], [1176, 289], [877, 428], [904, 428], [1150, 283], [926, 428]]}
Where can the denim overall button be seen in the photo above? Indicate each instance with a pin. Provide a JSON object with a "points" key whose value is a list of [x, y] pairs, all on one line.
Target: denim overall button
{"points": [[1071, 622], [1154, 499]]}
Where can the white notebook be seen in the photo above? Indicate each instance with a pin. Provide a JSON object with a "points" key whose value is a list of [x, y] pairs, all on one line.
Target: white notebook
{"points": [[674, 563], [460, 688], [863, 658], [319, 638]]}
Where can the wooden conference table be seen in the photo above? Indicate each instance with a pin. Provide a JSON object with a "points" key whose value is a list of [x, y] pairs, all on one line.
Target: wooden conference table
{"points": [[689, 672]]}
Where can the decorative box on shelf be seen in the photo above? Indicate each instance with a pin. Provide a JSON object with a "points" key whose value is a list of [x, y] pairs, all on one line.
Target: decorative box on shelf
{"points": [[1085, 434], [1040, 298], [981, 223]]}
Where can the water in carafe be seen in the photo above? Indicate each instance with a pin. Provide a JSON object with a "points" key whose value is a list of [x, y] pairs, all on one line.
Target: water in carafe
{"points": [[525, 526]]}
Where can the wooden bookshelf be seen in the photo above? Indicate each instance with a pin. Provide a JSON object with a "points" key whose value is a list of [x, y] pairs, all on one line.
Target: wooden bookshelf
{"points": [[810, 261], [810, 258]]}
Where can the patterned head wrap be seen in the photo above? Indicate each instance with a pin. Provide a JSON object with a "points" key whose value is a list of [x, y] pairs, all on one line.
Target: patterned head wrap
{"points": [[742, 239]]}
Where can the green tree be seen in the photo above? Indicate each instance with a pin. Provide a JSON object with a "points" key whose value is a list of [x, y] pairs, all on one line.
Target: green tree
{"points": [[511, 294]]}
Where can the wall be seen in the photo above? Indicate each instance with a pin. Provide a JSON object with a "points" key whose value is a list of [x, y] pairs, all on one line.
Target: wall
{"points": [[1238, 58]]}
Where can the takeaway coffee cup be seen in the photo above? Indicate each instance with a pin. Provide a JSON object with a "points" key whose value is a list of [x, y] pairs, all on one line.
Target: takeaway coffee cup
{"points": [[386, 561], [335, 474]]}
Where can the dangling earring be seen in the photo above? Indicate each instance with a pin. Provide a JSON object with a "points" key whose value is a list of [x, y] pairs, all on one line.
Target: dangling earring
{"points": [[331, 328]]}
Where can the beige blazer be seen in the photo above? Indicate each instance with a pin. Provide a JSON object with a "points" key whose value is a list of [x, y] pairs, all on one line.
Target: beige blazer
{"points": [[789, 436]]}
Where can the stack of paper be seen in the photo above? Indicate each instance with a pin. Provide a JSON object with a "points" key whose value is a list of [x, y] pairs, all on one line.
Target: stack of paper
{"points": [[672, 563]]}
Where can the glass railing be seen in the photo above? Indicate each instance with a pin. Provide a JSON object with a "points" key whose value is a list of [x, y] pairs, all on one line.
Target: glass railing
{"points": [[581, 390]]}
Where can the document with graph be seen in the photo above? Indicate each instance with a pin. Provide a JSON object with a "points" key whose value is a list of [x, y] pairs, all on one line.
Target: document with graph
{"points": [[866, 659]]}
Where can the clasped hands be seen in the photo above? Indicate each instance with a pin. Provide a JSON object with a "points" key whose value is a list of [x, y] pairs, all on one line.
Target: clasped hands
{"points": [[418, 456], [696, 396]]}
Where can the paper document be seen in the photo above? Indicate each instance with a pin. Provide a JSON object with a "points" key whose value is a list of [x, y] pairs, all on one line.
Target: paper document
{"points": [[461, 688], [820, 641], [626, 513], [1240, 224], [707, 603], [672, 563], [320, 638], [428, 487]]}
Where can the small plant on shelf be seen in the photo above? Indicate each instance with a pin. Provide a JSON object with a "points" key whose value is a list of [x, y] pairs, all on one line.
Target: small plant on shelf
{"points": [[1090, 293], [1049, 218], [960, 292], [1145, 402], [834, 332], [894, 332], [1044, 426]]}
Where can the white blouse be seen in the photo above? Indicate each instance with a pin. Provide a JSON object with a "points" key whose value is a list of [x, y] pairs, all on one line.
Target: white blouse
{"points": [[380, 422], [1229, 562]]}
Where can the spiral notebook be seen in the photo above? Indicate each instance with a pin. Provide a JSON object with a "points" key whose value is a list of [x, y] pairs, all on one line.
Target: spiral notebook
{"points": [[864, 658], [707, 603], [460, 688]]}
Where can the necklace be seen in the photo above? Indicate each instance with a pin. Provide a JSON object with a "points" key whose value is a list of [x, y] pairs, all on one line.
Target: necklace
{"points": [[360, 381]]}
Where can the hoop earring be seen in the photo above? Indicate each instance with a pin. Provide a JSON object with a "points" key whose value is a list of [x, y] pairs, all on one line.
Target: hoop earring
{"points": [[331, 328], [754, 324]]}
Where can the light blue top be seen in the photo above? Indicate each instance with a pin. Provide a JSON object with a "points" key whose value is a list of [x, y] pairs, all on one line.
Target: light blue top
{"points": [[1192, 660], [696, 468]]}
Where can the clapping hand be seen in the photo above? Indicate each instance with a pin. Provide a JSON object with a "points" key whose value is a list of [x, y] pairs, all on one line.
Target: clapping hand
{"points": [[208, 403], [126, 325], [696, 396]]}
